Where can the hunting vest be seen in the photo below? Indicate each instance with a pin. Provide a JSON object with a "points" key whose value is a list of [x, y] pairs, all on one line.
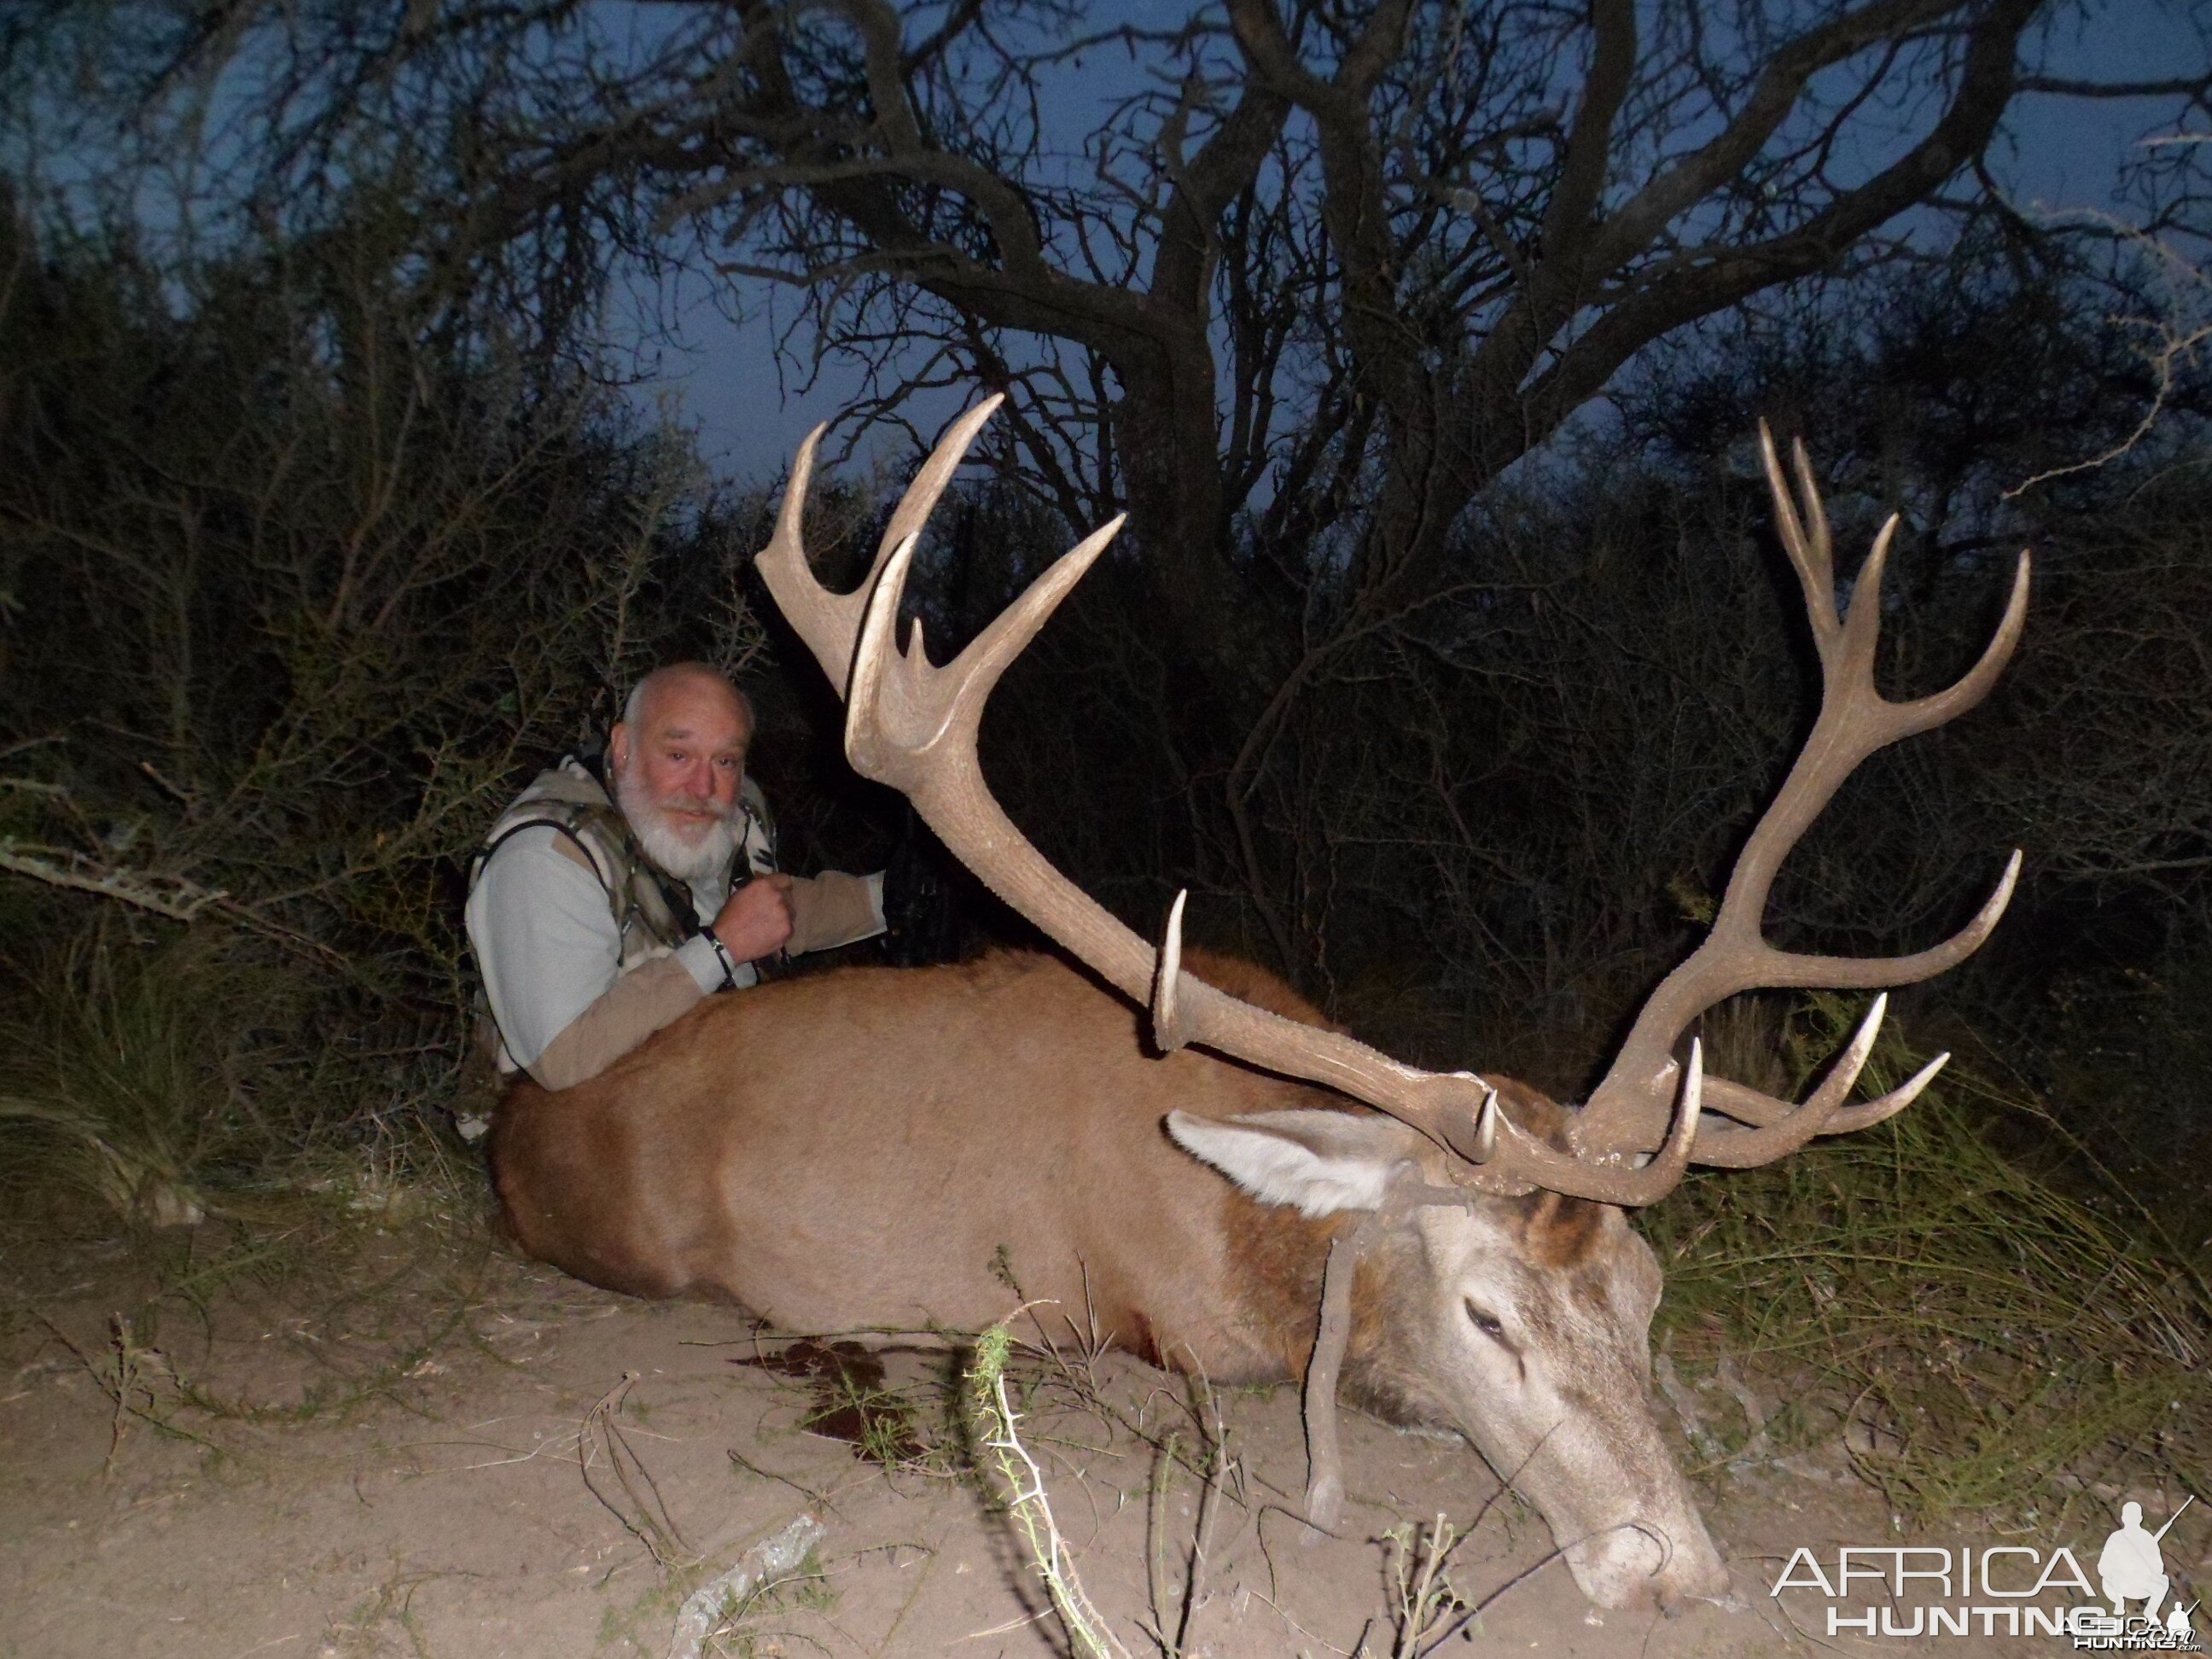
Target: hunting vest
{"points": [[654, 912]]}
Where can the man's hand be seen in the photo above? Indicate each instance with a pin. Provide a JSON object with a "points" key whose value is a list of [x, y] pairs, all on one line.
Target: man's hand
{"points": [[757, 921]]}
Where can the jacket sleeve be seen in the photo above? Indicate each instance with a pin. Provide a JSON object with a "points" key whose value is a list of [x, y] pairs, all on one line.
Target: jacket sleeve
{"points": [[551, 957], [833, 908], [654, 994]]}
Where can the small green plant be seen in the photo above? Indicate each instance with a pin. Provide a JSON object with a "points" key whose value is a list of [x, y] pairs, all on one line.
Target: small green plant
{"points": [[136, 1378], [1177, 1593], [122, 1084], [1426, 1607], [881, 1423], [905, 1427], [745, 1628], [149, 1088], [992, 1412]]}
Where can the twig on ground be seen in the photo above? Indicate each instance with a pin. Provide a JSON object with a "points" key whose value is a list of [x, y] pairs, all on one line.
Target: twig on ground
{"points": [[646, 1516], [1426, 1599]]}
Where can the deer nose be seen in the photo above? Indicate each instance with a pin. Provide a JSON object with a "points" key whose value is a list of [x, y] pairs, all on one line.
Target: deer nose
{"points": [[1648, 1564], [1697, 1574]]}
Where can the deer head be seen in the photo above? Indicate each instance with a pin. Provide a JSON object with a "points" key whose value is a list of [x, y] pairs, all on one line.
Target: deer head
{"points": [[1496, 1213], [1523, 1323]]}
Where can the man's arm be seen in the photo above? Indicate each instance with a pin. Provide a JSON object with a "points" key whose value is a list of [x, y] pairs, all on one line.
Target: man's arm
{"points": [[835, 908], [546, 940]]}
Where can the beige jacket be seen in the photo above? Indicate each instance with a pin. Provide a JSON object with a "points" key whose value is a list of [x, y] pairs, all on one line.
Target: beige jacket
{"points": [[584, 955]]}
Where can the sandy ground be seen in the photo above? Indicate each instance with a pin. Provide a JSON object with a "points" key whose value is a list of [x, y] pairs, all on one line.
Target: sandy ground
{"points": [[547, 1469]]}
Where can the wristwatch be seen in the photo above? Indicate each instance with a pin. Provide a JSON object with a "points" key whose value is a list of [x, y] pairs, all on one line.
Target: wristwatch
{"points": [[721, 954]]}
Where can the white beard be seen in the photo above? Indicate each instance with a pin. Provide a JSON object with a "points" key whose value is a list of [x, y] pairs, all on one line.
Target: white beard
{"points": [[697, 859]]}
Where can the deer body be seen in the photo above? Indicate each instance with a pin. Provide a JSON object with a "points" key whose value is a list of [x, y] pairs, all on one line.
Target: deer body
{"points": [[923, 1149]]}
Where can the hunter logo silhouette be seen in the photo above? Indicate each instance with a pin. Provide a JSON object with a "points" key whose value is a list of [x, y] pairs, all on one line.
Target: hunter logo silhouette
{"points": [[2131, 1565]]}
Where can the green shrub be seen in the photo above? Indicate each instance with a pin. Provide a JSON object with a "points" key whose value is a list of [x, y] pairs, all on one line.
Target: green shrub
{"points": [[299, 581]]}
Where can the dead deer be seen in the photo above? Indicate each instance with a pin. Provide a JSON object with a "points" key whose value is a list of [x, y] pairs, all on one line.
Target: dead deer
{"points": [[882, 1150]]}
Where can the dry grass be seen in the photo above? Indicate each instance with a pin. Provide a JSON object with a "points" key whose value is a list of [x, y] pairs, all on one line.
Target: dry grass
{"points": [[1992, 1334]]}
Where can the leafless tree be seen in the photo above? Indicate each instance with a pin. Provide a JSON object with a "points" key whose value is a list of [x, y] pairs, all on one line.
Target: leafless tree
{"points": [[1322, 269], [1314, 274]]}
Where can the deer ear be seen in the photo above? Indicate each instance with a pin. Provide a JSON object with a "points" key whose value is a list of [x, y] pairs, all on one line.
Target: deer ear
{"points": [[1323, 1162]]}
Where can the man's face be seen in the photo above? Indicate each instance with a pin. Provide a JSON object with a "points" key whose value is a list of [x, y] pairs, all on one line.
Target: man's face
{"points": [[678, 768]]}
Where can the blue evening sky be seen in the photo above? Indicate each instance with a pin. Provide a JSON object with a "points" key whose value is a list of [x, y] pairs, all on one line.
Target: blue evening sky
{"points": [[721, 378]]}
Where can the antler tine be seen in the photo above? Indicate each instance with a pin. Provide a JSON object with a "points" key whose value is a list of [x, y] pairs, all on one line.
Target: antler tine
{"points": [[1754, 1106], [1612, 1182], [1514, 1161], [1457, 1110], [1792, 969], [915, 727], [816, 615], [1812, 560], [895, 718], [1788, 1127], [923, 494], [1168, 1032], [1855, 721], [1924, 714], [1498, 1156], [830, 623], [1815, 506]]}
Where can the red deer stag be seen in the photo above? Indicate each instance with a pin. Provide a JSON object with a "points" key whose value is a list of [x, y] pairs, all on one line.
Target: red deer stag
{"points": [[871, 1148]]}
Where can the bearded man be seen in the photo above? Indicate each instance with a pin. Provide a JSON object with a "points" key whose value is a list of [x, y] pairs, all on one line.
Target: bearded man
{"points": [[602, 909]]}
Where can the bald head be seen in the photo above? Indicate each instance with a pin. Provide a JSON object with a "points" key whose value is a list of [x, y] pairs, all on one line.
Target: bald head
{"points": [[685, 683]]}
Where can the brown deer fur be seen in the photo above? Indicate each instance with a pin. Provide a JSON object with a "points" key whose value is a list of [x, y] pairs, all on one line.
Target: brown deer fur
{"points": [[877, 1150]]}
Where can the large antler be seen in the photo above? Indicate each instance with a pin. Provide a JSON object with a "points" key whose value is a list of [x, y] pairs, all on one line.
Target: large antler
{"points": [[1625, 1114], [913, 727]]}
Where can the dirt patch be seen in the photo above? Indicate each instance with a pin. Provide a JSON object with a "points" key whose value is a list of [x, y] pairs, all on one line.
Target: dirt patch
{"points": [[562, 1468]]}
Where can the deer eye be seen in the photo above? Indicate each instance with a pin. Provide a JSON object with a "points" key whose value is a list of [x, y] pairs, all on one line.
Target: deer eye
{"points": [[1487, 1323]]}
